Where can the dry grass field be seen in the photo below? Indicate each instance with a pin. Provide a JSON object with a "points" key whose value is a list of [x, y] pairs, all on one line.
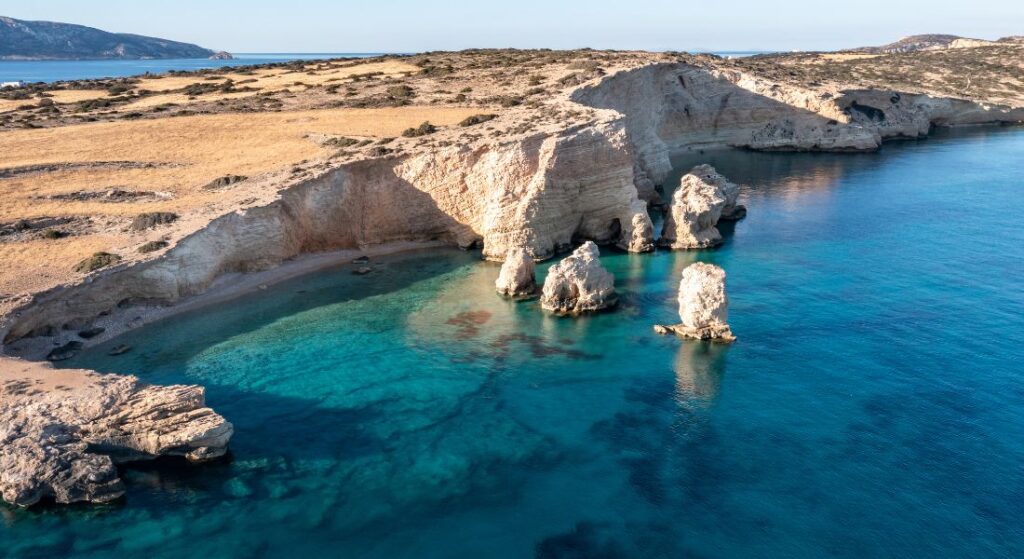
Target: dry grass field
{"points": [[178, 155]]}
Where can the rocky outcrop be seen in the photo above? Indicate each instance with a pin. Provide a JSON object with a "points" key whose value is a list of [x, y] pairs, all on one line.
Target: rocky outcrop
{"points": [[538, 193], [691, 220], [641, 235], [732, 210], [63, 431], [672, 108], [517, 277], [703, 305], [579, 284]]}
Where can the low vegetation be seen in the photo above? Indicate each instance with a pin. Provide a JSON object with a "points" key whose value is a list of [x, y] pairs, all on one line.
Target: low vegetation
{"points": [[96, 261]]}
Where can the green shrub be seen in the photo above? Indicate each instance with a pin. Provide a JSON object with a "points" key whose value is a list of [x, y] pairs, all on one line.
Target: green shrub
{"points": [[422, 130], [152, 246], [52, 234], [152, 219], [401, 91], [96, 261], [340, 142], [477, 119]]}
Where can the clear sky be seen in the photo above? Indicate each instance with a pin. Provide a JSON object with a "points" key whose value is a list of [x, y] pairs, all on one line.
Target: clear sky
{"points": [[410, 26]]}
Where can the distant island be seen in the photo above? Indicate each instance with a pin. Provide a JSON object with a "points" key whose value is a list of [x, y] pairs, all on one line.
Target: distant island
{"points": [[47, 40], [934, 41]]}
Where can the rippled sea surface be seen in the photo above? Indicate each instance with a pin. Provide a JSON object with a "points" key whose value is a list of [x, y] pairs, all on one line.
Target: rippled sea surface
{"points": [[873, 405]]}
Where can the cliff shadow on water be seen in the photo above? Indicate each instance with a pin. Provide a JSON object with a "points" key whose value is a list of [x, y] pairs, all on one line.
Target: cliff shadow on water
{"points": [[335, 285]]}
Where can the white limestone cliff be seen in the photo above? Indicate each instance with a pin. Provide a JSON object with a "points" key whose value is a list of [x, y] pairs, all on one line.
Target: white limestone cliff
{"points": [[538, 194], [579, 284], [517, 277]]}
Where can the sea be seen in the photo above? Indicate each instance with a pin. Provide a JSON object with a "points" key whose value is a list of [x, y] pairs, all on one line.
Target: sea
{"points": [[872, 405], [31, 71]]}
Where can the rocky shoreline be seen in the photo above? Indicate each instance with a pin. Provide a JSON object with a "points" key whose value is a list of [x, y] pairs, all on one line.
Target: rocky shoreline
{"points": [[522, 195]]}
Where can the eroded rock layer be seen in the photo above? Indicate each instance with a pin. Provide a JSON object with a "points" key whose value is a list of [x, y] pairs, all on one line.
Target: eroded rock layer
{"points": [[579, 284], [691, 220], [517, 277], [703, 305], [63, 431]]}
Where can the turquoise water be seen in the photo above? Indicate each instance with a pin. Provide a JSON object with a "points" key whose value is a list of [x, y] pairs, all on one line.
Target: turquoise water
{"points": [[59, 70], [873, 405]]}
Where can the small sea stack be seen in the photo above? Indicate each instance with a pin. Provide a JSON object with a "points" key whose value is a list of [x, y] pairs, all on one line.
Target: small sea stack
{"points": [[732, 211], [691, 219], [517, 278], [703, 305], [579, 284], [640, 236]]}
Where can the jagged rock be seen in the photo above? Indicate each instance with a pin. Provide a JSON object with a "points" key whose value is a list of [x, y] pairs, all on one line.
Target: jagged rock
{"points": [[732, 211], [579, 283], [63, 431], [696, 207], [517, 279], [640, 236], [64, 352], [703, 305]]}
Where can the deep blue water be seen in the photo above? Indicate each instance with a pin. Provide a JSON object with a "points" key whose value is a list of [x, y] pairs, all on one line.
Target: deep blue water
{"points": [[59, 70], [873, 405]]}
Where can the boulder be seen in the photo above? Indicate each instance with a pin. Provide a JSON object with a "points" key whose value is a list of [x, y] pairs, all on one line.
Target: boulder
{"points": [[690, 221], [579, 284], [703, 305], [516, 279]]}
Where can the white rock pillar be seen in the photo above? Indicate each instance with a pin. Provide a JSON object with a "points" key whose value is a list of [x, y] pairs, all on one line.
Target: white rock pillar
{"points": [[579, 284]]}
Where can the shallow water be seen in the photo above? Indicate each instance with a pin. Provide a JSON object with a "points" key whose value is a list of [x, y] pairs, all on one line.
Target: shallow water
{"points": [[873, 405]]}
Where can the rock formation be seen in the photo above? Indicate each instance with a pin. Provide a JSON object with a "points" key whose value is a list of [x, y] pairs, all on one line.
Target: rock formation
{"points": [[732, 211], [579, 283], [63, 431], [517, 279], [641, 232], [703, 305], [691, 219]]}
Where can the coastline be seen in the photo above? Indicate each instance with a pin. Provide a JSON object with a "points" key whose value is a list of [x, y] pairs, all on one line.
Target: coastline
{"points": [[581, 162], [225, 288]]}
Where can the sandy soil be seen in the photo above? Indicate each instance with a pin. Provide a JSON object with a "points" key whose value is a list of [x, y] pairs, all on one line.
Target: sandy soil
{"points": [[187, 153]]}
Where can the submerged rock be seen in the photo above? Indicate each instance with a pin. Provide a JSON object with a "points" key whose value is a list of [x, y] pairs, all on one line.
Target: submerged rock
{"points": [[62, 432], [703, 305], [120, 349], [517, 279], [579, 283], [696, 207], [65, 352]]}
